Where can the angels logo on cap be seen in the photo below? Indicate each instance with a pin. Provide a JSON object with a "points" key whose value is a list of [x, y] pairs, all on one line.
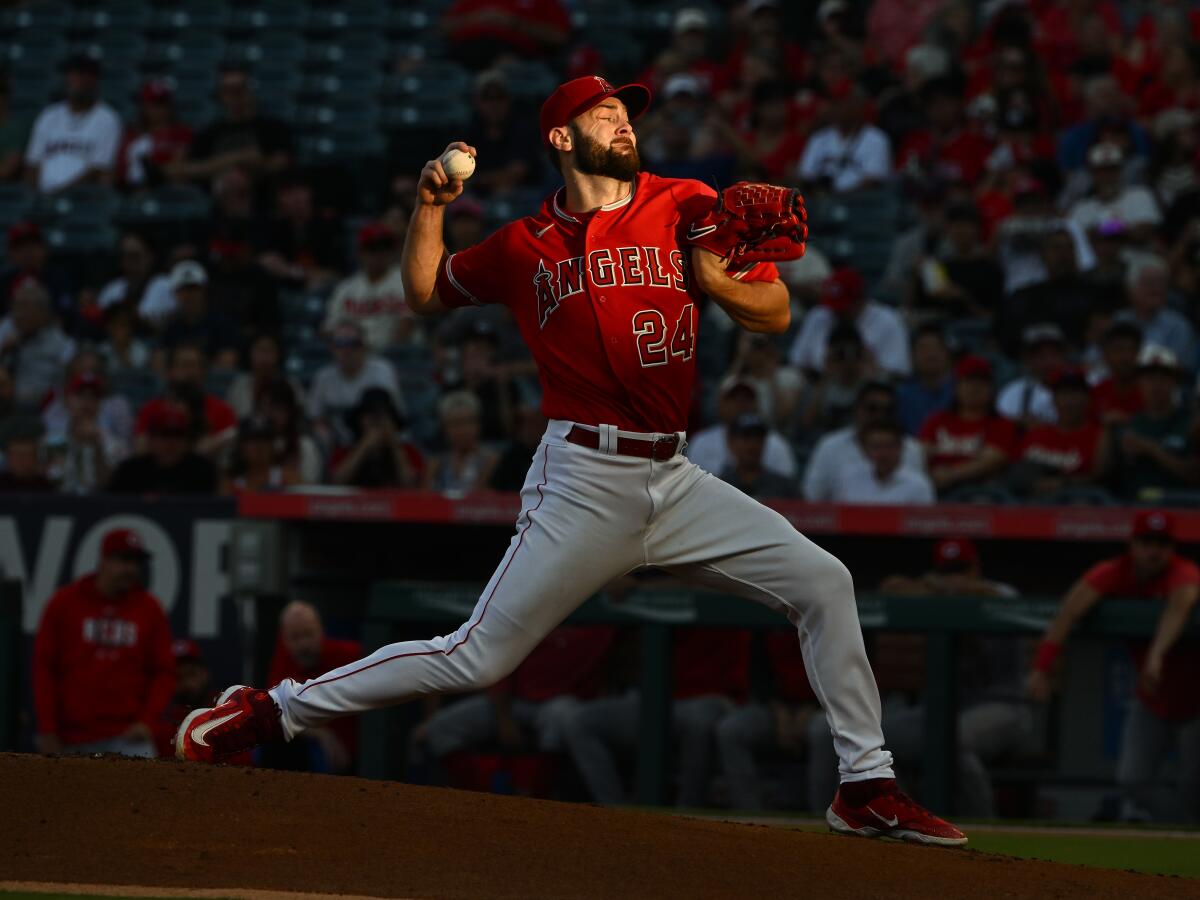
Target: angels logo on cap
{"points": [[604, 85]]}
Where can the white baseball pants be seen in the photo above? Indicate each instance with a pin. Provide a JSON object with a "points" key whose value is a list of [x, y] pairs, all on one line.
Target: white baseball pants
{"points": [[588, 517]]}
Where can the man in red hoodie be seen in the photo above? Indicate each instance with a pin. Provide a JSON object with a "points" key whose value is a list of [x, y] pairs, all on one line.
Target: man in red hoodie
{"points": [[103, 672]]}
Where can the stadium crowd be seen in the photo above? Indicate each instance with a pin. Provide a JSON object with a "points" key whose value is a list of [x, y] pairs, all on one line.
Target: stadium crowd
{"points": [[998, 303]]}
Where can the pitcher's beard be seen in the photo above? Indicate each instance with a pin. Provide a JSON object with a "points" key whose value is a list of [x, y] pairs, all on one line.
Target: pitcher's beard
{"points": [[610, 162]]}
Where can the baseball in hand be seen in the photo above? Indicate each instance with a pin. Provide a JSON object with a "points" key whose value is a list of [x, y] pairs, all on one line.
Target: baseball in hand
{"points": [[459, 166]]}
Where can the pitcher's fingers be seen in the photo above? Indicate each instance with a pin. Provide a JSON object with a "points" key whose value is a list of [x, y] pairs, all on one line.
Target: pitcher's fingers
{"points": [[443, 178], [460, 145]]}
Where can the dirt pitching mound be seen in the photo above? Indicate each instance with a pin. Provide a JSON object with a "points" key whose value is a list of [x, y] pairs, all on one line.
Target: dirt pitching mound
{"points": [[164, 824]]}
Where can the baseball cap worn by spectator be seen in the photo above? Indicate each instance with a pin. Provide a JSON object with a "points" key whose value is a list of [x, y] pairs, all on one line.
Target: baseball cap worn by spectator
{"points": [[1070, 378], [186, 649], [1042, 333], [1104, 155], [1156, 358], [973, 367], [953, 554], [748, 425], [842, 290], [575, 97], [124, 542], [690, 18], [156, 90], [82, 62], [85, 381], [188, 273], [376, 236], [1154, 524]]}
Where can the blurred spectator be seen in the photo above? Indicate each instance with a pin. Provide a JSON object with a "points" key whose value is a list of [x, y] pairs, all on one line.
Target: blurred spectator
{"points": [[374, 295], [1133, 206], [887, 481], [235, 212], [304, 651], [1118, 395], [484, 32], [241, 289], [14, 135], [1107, 110], [211, 418], [465, 465], [501, 136], [484, 376], [1061, 454], [170, 464], [1062, 297], [464, 224], [900, 106], [746, 470], [758, 361], [88, 451], [381, 456], [994, 721], [195, 321], [944, 147], [1030, 244], [1155, 450], [772, 145], [242, 137], [302, 245], [517, 455], [893, 26], [1173, 171], [709, 448], [75, 140], [830, 393], [1027, 399], [1110, 243], [765, 33], [253, 466], [32, 346], [29, 258], [968, 443], [139, 286], [844, 297], [850, 153], [193, 690], [293, 445], [264, 367], [102, 667], [527, 709], [840, 458], [152, 149], [1146, 282], [930, 389], [122, 349], [114, 415], [24, 469], [959, 278], [338, 386], [775, 722], [1166, 708], [687, 53]]}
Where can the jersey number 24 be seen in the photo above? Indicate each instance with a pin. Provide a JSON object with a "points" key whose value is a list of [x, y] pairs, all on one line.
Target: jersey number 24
{"points": [[650, 329]]}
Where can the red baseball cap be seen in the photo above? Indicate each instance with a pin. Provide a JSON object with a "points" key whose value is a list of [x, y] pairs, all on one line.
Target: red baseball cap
{"points": [[376, 234], [19, 232], [1154, 523], [156, 90], [85, 381], [123, 542], [973, 367], [574, 98], [842, 290], [168, 420], [186, 648], [953, 552]]}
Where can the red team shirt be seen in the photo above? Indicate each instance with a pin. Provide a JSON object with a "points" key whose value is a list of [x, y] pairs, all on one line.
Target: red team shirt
{"points": [[1064, 452], [603, 300], [1178, 696], [952, 439]]}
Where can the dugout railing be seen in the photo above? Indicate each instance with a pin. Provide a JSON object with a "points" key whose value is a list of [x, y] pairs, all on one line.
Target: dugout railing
{"points": [[656, 613]]}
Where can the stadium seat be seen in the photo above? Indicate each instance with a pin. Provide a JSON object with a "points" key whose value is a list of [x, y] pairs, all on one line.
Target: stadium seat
{"points": [[198, 48], [325, 149], [344, 83], [48, 15], [615, 15], [411, 19], [81, 237], [171, 203], [349, 16], [530, 81], [361, 115], [266, 20], [115, 16], [196, 15], [304, 360], [351, 52], [136, 385], [440, 78], [968, 335], [84, 204], [16, 202], [195, 111]]}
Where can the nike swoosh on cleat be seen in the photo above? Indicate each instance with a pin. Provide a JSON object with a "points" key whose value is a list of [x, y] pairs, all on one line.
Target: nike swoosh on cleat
{"points": [[695, 232], [890, 823], [200, 733]]}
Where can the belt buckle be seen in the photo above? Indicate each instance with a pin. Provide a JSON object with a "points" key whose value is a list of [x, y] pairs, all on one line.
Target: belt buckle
{"points": [[673, 440]]}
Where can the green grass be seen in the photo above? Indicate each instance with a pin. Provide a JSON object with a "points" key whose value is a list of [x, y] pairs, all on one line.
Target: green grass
{"points": [[1153, 854]]}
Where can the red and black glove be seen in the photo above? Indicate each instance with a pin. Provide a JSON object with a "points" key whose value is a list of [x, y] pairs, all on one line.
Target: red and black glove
{"points": [[753, 223]]}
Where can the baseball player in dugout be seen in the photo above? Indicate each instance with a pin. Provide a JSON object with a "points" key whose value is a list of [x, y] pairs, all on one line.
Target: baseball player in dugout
{"points": [[605, 282], [1165, 711], [103, 672]]}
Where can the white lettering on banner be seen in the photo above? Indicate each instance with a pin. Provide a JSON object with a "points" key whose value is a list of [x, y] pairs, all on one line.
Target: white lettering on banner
{"points": [[51, 550], [210, 579], [164, 563]]}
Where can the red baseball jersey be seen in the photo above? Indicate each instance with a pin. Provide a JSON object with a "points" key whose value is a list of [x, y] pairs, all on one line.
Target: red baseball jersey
{"points": [[1060, 451], [953, 439], [100, 663], [603, 299], [1178, 695]]}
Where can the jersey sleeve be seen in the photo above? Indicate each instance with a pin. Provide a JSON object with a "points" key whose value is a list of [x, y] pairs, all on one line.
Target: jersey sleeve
{"points": [[1183, 572], [468, 278], [1103, 576]]}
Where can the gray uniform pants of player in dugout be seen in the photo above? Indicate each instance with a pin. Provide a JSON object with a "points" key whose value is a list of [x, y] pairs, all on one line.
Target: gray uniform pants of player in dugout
{"points": [[590, 516]]}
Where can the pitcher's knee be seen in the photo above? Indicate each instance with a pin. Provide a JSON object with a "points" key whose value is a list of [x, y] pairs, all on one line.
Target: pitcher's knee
{"points": [[824, 581]]}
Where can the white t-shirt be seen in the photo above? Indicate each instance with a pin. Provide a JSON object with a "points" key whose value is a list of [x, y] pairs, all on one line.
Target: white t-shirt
{"points": [[156, 305], [332, 394], [881, 328], [64, 144], [905, 487], [1024, 396], [709, 449], [847, 160], [1134, 206], [375, 305], [838, 460]]}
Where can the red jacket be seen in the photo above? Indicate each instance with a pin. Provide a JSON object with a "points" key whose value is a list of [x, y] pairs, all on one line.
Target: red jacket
{"points": [[335, 653], [101, 664]]}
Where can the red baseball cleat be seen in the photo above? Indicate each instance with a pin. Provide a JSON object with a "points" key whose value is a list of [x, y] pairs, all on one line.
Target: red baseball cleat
{"points": [[886, 811], [242, 719]]}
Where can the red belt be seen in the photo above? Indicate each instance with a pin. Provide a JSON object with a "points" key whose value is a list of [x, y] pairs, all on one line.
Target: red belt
{"points": [[662, 448]]}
